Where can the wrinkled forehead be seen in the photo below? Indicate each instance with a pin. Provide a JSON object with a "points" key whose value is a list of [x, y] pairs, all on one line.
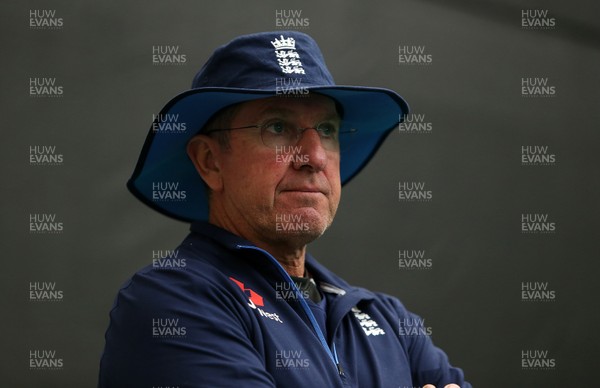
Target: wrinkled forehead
{"points": [[310, 107]]}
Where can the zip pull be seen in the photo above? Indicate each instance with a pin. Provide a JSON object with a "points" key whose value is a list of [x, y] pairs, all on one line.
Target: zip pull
{"points": [[337, 360]]}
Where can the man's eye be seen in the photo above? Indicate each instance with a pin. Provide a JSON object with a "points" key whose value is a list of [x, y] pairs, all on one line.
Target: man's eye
{"points": [[327, 129], [276, 127]]}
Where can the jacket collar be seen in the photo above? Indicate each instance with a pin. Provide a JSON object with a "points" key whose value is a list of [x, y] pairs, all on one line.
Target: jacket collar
{"points": [[328, 281], [221, 236]]}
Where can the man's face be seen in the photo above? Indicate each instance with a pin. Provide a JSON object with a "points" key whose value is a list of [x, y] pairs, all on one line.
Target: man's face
{"points": [[285, 194]]}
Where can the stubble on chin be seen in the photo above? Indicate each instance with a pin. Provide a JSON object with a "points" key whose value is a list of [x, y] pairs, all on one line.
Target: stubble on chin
{"points": [[294, 228]]}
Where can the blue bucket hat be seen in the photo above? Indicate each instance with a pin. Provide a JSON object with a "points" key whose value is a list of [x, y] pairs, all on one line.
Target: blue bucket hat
{"points": [[252, 67]]}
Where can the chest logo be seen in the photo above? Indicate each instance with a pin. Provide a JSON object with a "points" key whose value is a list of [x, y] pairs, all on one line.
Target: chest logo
{"points": [[369, 326], [255, 300]]}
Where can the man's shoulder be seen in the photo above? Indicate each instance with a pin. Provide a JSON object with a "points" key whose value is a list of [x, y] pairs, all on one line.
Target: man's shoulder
{"points": [[391, 302], [188, 274]]}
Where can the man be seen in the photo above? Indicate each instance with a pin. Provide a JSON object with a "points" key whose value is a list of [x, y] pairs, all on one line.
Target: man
{"points": [[240, 302]]}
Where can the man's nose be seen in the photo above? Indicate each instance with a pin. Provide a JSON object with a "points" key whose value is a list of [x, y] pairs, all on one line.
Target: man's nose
{"points": [[312, 147]]}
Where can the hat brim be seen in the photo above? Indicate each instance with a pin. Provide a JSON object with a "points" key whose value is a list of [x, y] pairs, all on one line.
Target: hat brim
{"points": [[166, 180]]}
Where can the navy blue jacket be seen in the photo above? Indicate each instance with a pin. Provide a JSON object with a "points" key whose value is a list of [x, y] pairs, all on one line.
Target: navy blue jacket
{"points": [[221, 312]]}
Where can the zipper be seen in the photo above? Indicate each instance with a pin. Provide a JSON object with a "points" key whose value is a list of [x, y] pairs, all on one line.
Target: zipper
{"points": [[331, 352]]}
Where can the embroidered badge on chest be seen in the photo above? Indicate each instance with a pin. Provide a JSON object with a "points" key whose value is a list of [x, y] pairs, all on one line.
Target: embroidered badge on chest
{"points": [[369, 326]]}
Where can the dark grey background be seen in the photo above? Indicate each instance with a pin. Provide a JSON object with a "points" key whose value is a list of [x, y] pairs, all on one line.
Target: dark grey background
{"points": [[471, 162]]}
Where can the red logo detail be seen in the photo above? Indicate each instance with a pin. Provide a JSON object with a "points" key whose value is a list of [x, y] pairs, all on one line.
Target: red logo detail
{"points": [[253, 296]]}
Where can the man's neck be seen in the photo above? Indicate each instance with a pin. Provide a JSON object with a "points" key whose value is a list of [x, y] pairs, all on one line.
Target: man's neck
{"points": [[291, 259], [289, 253]]}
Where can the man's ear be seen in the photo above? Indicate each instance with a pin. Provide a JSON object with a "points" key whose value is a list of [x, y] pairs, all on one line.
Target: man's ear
{"points": [[204, 152]]}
